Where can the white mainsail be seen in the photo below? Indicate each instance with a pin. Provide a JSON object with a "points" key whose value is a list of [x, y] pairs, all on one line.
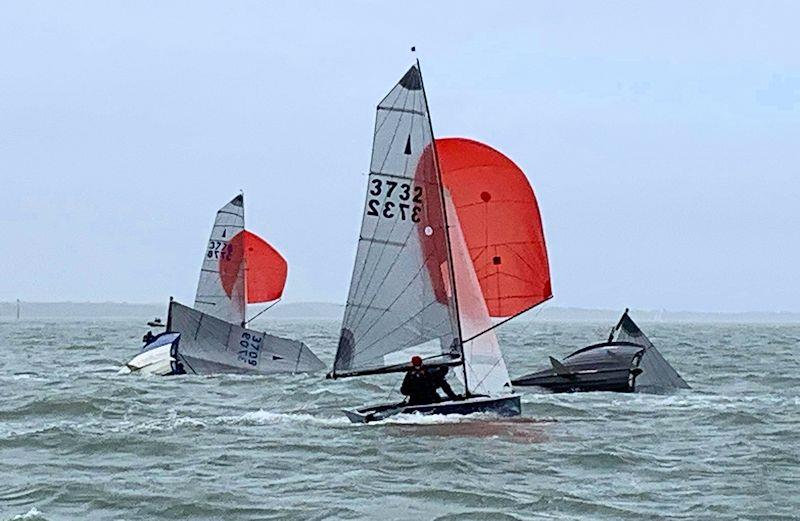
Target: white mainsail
{"points": [[213, 297], [210, 345], [398, 304]]}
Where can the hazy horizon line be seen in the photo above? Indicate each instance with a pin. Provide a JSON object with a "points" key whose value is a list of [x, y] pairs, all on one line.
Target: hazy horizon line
{"points": [[656, 311]]}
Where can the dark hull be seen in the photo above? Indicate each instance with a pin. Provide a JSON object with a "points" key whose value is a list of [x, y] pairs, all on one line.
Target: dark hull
{"points": [[502, 406], [626, 362], [608, 366], [614, 380]]}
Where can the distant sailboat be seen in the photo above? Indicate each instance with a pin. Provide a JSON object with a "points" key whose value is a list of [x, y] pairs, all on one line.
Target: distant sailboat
{"points": [[416, 289], [18, 310], [238, 268]]}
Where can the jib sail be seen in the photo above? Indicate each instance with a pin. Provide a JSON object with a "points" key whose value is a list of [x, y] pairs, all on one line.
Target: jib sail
{"points": [[484, 367]]}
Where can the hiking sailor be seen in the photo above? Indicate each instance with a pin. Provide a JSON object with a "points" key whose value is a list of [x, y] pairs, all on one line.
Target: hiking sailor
{"points": [[421, 383]]}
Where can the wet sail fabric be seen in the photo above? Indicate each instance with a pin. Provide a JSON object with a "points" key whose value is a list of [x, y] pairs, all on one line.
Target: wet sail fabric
{"points": [[657, 375], [209, 345], [501, 223], [397, 305], [161, 340], [484, 366], [264, 267], [224, 301]]}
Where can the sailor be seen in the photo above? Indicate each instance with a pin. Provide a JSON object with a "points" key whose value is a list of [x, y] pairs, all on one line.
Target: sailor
{"points": [[421, 383], [148, 337]]}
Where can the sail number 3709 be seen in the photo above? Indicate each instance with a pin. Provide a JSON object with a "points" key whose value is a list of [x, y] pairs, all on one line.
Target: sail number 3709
{"points": [[249, 347], [400, 200]]}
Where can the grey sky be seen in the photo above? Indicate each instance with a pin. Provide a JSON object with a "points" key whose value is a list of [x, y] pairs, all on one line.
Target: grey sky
{"points": [[661, 139]]}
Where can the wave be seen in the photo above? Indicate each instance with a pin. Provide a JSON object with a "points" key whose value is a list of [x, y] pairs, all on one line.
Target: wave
{"points": [[262, 417], [31, 515]]}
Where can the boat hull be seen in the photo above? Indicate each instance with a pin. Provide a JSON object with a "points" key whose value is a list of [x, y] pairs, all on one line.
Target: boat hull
{"points": [[156, 361], [502, 406], [613, 380]]}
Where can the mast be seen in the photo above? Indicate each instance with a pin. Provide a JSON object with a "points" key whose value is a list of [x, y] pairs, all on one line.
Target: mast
{"points": [[244, 261], [446, 232], [244, 283], [169, 315]]}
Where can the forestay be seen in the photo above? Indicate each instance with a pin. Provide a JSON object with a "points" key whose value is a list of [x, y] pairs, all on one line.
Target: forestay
{"points": [[209, 345], [224, 301], [657, 376], [398, 305]]}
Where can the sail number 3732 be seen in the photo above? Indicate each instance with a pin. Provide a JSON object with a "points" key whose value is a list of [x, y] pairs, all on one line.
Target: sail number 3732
{"points": [[400, 200]]}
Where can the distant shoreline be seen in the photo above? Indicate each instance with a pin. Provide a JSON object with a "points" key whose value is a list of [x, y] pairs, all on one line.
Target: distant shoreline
{"points": [[330, 311]]}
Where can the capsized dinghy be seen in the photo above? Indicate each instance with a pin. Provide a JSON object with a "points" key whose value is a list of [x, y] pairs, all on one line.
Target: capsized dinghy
{"points": [[627, 362], [209, 345], [238, 268], [415, 288]]}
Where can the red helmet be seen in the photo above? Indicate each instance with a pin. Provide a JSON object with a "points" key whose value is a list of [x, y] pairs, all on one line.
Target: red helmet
{"points": [[416, 361]]}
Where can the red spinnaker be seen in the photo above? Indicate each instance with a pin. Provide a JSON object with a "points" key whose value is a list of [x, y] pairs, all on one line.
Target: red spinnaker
{"points": [[501, 223], [431, 228], [266, 269]]}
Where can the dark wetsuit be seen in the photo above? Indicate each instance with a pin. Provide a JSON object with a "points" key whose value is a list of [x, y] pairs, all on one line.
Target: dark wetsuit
{"points": [[420, 385], [148, 337]]}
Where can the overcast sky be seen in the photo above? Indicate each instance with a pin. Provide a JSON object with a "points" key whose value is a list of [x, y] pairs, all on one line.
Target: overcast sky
{"points": [[661, 139]]}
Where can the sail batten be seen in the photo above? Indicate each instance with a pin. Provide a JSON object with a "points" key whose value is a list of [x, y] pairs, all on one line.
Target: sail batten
{"points": [[410, 111]]}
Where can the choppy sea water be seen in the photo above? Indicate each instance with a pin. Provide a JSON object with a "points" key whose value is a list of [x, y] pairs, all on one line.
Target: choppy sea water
{"points": [[77, 441]]}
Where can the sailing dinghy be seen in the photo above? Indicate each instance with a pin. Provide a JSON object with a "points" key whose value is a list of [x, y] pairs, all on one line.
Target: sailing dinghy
{"points": [[239, 268], [415, 289], [627, 362]]}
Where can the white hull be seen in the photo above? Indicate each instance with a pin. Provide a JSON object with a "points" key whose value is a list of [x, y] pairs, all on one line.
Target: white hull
{"points": [[155, 361]]}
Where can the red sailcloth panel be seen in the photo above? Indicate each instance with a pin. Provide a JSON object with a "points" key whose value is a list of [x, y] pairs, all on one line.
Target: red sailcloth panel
{"points": [[431, 229], [501, 223], [264, 268]]}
